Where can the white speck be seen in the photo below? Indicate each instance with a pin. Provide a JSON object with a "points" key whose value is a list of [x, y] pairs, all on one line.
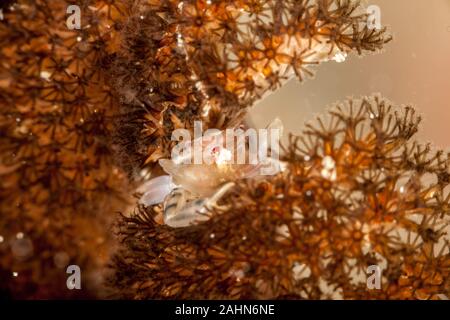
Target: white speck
{"points": [[141, 17], [19, 235], [238, 274], [208, 2], [79, 39], [15, 274], [1, 14], [402, 189], [212, 235], [329, 174], [180, 41], [340, 57], [2, 239], [206, 110], [81, 120], [328, 163], [372, 116], [200, 87], [306, 158], [18, 119], [145, 173], [329, 168], [45, 75], [244, 238]]}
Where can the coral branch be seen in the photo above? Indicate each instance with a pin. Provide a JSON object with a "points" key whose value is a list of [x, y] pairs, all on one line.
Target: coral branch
{"points": [[357, 192]]}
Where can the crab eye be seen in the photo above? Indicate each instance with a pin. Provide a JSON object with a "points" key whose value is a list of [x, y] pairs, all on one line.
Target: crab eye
{"points": [[215, 150]]}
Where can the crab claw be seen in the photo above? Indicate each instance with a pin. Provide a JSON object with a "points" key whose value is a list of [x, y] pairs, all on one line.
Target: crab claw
{"points": [[156, 190]]}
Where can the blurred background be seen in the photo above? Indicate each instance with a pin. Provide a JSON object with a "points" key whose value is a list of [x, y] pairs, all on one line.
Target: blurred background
{"points": [[413, 69]]}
